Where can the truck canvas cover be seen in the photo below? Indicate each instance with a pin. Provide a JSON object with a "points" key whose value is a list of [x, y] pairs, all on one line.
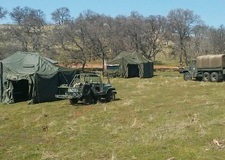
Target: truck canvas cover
{"points": [[211, 61]]}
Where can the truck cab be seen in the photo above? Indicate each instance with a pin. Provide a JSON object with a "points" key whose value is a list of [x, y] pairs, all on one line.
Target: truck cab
{"points": [[190, 71]]}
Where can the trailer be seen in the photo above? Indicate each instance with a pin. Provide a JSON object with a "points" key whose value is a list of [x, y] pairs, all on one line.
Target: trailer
{"points": [[205, 68]]}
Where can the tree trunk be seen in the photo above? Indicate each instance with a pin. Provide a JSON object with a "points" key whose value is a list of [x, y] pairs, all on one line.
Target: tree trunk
{"points": [[83, 65]]}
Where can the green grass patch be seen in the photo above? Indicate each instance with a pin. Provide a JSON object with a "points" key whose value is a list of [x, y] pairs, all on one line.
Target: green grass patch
{"points": [[157, 118]]}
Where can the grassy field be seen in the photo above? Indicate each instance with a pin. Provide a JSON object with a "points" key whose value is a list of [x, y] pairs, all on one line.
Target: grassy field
{"points": [[160, 118]]}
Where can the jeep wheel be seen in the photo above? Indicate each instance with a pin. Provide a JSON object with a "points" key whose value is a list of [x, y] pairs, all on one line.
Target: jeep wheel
{"points": [[214, 77], [110, 96], [88, 99], [187, 76], [95, 99], [73, 101], [86, 90], [206, 77]]}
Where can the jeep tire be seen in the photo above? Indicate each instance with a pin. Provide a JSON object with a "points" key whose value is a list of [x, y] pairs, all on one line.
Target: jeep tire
{"points": [[110, 96], [86, 89], [73, 101], [88, 99]]}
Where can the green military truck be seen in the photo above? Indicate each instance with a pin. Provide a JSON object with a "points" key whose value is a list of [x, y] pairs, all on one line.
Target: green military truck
{"points": [[205, 68]]}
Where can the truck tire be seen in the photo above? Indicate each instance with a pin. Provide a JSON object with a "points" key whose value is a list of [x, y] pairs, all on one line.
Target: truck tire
{"points": [[220, 77], [206, 77], [214, 77], [187, 76]]}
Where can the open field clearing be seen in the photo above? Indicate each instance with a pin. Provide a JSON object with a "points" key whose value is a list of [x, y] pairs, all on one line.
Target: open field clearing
{"points": [[163, 117]]}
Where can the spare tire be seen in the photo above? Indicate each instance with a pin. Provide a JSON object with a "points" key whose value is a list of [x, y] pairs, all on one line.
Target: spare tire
{"points": [[86, 89]]}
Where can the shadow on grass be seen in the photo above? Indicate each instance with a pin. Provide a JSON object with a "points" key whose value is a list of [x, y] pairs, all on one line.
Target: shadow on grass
{"points": [[80, 103]]}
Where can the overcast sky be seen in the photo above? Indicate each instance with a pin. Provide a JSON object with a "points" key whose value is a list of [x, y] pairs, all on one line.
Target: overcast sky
{"points": [[212, 12]]}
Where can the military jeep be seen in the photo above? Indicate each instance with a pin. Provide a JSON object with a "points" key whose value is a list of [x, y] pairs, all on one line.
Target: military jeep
{"points": [[87, 87]]}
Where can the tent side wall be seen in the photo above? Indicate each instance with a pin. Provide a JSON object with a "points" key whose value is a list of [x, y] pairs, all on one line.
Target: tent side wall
{"points": [[45, 88], [151, 69], [1, 81], [148, 70]]}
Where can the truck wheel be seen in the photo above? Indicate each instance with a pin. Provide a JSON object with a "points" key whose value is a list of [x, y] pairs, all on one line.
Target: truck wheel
{"points": [[198, 78], [206, 77], [187, 76], [214, 77], [110, 96], [220, 77], [73, 101]]}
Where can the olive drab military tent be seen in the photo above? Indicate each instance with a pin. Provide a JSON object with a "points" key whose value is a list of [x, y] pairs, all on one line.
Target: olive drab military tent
{"points": [[132, 64], [29, 76]]}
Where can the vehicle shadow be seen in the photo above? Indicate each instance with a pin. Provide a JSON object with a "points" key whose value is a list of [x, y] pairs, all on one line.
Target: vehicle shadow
{"points": [[94, 103]]}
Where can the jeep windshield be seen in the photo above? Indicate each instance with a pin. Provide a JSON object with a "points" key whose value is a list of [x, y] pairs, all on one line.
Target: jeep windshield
{"points": [[87, 78], [92, 78]]}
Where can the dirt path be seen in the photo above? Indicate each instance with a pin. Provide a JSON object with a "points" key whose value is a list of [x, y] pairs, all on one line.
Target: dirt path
{"points": [[156, 67]]}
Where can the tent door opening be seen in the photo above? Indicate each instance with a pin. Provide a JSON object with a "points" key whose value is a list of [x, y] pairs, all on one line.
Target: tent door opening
{"points": [[133, 70], [21, 90]]}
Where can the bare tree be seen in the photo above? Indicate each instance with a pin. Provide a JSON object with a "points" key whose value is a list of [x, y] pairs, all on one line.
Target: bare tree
{"points": [[18, 14], [61, 15], [181, 23], [217, 39], [118, 35], [73, 41], [200, 43], [135, 30], [30, 29], [155, 29], [100, 34], [5, 45], [3, 12]]}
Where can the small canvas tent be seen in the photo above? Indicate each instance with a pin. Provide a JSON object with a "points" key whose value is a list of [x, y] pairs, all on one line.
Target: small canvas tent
{"points": [[132, 65], [29, 76]]}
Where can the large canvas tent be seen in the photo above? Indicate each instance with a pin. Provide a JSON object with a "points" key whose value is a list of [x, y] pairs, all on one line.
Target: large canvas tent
{"points": [[29, 76], [132, 64]]}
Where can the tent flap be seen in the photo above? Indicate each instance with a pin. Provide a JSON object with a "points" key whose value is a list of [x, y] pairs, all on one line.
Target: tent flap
{"points": [[45, 88]]}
